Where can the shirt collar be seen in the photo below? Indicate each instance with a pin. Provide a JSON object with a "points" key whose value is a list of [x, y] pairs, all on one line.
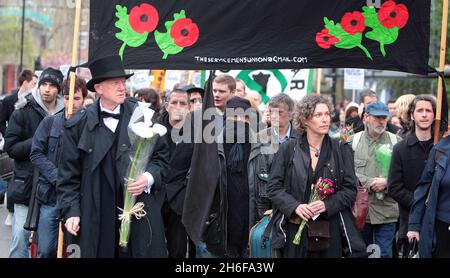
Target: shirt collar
{"points": [[286, 137], [412, 139], [115, 111]]}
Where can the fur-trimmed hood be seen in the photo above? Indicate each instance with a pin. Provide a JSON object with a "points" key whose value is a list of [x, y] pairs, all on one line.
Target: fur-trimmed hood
{"points": [[36, 96], [21, 101]]}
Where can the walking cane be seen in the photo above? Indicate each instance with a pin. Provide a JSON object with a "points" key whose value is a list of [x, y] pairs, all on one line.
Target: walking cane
{"points": [[60, 241]]}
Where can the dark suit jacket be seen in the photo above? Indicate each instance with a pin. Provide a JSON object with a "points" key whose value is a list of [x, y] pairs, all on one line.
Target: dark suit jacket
{"points": [[408, 161], [179, 165]]}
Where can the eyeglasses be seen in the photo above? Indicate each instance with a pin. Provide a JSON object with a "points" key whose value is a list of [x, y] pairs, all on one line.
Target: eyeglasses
{"points": [[195, 100]]}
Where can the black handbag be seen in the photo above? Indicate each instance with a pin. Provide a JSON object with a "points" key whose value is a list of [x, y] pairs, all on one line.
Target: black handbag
{"points": [[318, 235], [414, 251], [19, 189], [32, 220]]}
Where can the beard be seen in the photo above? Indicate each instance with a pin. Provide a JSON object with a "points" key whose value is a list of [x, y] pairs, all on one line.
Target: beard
{"points": [[424, 128], [379, 130], [376, 130]]}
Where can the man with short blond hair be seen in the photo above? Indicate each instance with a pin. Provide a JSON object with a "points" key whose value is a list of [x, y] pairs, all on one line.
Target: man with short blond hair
{"points": [[224, 87]]}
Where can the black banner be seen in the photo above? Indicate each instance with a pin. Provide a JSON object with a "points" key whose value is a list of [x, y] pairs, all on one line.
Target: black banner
{"points": [[261, 34]]}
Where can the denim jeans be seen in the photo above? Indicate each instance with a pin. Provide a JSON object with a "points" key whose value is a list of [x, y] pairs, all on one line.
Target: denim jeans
{"points": [[47, 231], [2, 190], [202, 251], [382, 235], [20, 236], [3, 185]]}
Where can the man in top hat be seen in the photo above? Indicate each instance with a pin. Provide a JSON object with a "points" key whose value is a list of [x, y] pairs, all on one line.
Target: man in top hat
{"points": [[96, 150]]}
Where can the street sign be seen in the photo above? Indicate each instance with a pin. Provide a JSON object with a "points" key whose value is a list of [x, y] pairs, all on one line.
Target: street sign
{"points": [[354, 79]]}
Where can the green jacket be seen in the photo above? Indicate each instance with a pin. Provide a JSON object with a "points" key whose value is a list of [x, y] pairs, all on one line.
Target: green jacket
{"points": [[381, 210]]}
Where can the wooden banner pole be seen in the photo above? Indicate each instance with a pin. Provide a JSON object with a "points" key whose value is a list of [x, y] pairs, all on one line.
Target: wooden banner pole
{"points": [[76, 33], [319, 80], [441, 69]]}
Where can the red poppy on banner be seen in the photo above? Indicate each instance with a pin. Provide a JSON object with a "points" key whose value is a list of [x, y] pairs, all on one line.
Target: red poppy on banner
{"points": [[262, 34], [392, 15], [144, 18], [184, 32], [353, 23], [325, 40]]}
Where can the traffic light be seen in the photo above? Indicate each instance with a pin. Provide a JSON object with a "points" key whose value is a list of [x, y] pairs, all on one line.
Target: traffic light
{"points": [[159, 79]]}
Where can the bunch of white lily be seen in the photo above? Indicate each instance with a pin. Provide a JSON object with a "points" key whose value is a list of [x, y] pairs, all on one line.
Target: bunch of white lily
{"points": [[142, 135]]}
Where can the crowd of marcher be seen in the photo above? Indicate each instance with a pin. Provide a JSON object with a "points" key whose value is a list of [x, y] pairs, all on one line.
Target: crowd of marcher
{"points": [[297, 165]]}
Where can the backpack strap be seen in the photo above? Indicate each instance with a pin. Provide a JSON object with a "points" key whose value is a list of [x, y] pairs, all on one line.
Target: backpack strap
{"points": [[356, 140], [292, 149], [268, 230], [437, 156], [338, 160]]}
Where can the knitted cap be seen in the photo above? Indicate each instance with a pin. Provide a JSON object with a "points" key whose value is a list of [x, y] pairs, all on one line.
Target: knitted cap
{"points": [[53, 76]]}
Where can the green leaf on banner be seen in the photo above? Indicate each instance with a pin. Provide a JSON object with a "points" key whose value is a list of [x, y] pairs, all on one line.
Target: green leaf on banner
{"points": [[346, 40], [379, 33], [165, 41], [127, 34]]}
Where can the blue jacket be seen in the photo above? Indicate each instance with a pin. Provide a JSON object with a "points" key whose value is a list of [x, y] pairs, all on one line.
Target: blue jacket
{"points": [[423, 212], [44, 156]]}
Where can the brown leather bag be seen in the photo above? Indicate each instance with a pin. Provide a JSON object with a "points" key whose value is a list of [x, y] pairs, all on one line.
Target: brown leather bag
{"points": [[361, 207], [318, 235]]}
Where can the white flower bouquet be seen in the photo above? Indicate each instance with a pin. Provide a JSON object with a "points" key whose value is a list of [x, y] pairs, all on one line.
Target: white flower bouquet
{"points": [[142, 134]]}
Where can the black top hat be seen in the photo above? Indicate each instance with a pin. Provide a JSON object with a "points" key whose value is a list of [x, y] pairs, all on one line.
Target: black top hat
{"points": [[106, 68]]}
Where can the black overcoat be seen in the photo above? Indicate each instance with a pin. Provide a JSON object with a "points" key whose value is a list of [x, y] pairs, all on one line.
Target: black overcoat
{"points": [[84, 145]]}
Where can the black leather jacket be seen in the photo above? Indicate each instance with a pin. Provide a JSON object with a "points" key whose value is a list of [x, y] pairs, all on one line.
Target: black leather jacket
{"points": [[259, 164], [287, 195]]}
